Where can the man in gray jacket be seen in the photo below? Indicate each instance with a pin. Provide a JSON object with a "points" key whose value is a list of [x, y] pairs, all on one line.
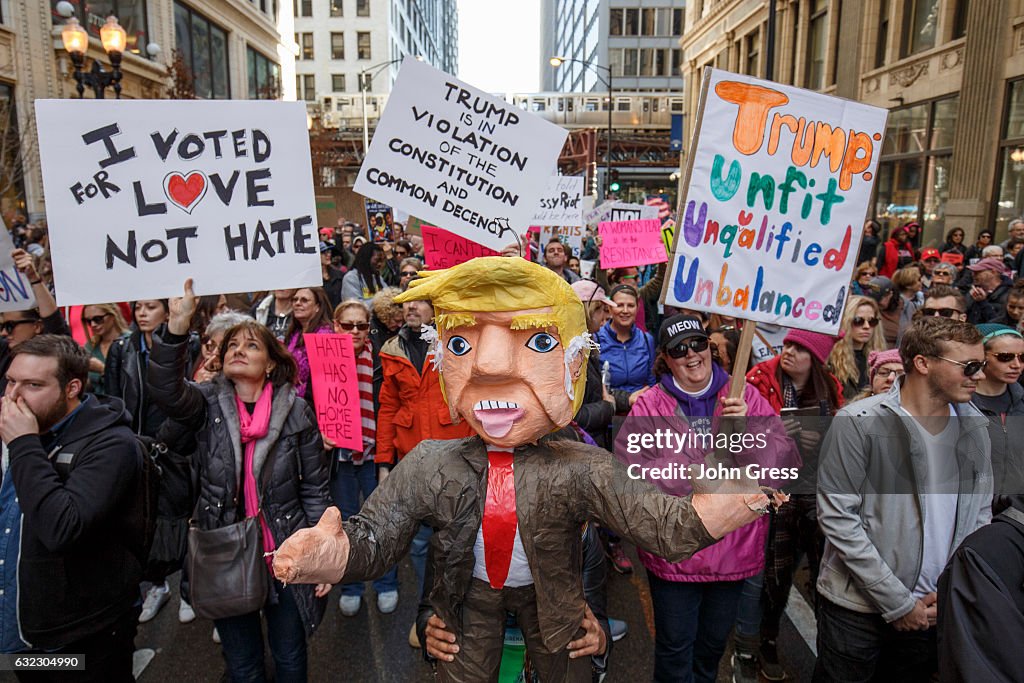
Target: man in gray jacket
{"points": [[904, 478]]}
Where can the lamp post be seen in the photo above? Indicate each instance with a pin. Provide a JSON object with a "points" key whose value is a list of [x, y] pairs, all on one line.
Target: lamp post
{"points": [[365, 80], [76, 42], [557, 62]]}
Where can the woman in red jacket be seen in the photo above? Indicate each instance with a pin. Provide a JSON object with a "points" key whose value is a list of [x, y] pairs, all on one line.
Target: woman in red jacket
{"points": [[896, 252]]}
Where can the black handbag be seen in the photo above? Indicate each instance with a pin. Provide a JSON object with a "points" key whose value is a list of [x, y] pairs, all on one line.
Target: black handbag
{"points": [[227, 572]]}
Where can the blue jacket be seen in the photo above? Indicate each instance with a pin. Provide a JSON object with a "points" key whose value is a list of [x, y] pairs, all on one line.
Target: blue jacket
{"points": [[630, 364]]}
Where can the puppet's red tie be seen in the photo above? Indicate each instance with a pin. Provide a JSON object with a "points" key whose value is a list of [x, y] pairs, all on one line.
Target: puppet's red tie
{"points": [[499, 523]]}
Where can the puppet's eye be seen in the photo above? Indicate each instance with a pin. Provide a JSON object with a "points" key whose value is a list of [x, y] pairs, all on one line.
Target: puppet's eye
{"points": [[542, 342], [459, 346]]}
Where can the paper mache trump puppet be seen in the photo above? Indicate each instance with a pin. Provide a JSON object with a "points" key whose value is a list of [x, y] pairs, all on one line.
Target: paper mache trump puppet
{"points": [[508, 503]]}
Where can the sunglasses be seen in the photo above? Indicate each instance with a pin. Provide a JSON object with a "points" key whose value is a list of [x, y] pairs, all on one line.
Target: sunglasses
{"points": [[858, 321], [408, 273], [1007, 357], [971, 367], [868, 274], [10, 325], [941, 312], [210, 345], [697, 345], [96, 319], [348, 327]]}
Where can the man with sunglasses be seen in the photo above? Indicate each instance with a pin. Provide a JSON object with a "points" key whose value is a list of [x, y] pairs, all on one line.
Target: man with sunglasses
{"points": [[905, 476], [944, 301]]}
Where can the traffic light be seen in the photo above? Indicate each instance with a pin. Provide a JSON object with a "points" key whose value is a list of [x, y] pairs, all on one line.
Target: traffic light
{"points": [[613, 181]]}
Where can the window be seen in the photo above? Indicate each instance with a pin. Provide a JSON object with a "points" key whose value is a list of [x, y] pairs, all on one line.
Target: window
{"points": [[647, 22], [678, 19], [1009, 202], [630, 57], [362, 8], [631, 25], [753, 45], [817, 34], [302, 8], [305, 87], [264, 76], [305, 41], [338, 82], [883, 33], [204, 48], [10, 146], [336, 8], [960, 19], [615, 22], [131, 14], [920, 18], [363, 45], [914, 171], [337, 46]]}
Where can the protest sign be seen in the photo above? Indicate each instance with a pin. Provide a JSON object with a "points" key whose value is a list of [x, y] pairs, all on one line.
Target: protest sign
{"points": [[561, 203], [631, 243], [668, 234], [458, 157], [332, 369], [379, 221], [443, 249], [142, 194], [660, 202], [596, 214], [587, 269], [15, 290], [775, 191], [620, 211], [570, 235]]}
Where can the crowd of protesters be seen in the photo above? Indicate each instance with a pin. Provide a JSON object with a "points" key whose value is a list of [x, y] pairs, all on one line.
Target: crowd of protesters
{"points": [[920, 390]]}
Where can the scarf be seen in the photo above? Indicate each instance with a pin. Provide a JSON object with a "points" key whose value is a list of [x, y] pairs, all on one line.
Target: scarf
{"points": [[364, 375], [702, 405], [253, 428]]}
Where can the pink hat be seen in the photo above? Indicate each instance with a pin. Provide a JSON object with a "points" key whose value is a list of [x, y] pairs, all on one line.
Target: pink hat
{"points": [[877, 359], [588, 290], [819, 345], [990, 263]]}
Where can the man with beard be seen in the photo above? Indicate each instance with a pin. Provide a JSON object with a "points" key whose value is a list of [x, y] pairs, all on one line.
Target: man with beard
{"points": [[75, 466], [904, 477]]}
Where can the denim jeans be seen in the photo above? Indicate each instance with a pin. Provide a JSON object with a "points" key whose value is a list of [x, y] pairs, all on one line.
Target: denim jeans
{"points": [[692, 621], [748, 613], [242, 642], [348, 483], [857, 648]]}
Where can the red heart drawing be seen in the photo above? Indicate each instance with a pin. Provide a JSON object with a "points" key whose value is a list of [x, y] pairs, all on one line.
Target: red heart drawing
{"points": [[185, 190]]}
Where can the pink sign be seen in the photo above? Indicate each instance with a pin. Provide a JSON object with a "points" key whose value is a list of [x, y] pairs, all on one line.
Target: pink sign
{"points": [[631, 243], [332, 369], [443, 249]]}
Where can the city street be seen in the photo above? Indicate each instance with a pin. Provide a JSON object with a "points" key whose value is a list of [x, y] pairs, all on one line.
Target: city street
{"points": [[373, 648]]}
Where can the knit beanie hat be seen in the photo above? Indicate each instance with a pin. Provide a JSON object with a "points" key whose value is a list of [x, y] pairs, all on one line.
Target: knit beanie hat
{"points": [[877, 359], [990, 330], [819, 345]]}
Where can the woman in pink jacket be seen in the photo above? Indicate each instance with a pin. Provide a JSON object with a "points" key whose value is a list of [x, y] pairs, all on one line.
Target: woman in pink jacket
{"points": [[695, 601]]}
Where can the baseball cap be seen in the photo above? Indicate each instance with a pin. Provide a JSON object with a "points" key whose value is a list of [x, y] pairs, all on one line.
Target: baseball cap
{"points": [[990, 263], [324, 246], [930, 252], [588, 290], [679, 328]]}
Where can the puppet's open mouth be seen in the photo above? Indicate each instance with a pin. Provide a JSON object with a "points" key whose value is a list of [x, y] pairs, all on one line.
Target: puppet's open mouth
{"points": [[497, 417]]}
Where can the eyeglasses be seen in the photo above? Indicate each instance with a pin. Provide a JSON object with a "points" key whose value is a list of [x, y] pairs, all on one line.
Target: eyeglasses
{"points": [[886, 373], [401, 253], [971, 367], [858, 321], [696, 345], [1007, 357], [408, 273], [941, 312], [96, 319], [348, 327], [9, 325]]}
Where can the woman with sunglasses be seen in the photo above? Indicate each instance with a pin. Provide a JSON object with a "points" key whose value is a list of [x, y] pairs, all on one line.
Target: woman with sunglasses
{"points": [[795, 382], [1001, 398], [954, 242], [105, 325], [973, 254], [407, 270], [862, 278], [861, 334], [695, 601], [627, 349], [353, 472]]}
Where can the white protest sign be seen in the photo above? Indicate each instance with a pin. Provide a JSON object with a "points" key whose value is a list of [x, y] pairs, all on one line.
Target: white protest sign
{"points": [[620, 211], [142, 194], [15, 290], [459, 158], [561, 203], [777, 188], [570, 235]]}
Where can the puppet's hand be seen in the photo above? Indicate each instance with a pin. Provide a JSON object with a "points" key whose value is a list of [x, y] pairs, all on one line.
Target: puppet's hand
{"points": [[316, 555], [724, 505]]}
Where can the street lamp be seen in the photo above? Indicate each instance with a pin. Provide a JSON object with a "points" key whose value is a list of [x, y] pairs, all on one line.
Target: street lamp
{"points": [[365, 81], [76, 42], [557, 62]]}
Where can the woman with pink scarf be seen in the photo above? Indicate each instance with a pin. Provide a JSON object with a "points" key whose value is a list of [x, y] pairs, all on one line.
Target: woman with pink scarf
{"points": [[259, 455]]}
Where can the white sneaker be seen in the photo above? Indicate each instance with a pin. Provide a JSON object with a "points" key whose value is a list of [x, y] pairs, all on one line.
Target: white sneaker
{"points": [[186, 615], [349, 604], [387, 602], [216, 636], [156, 597]]}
